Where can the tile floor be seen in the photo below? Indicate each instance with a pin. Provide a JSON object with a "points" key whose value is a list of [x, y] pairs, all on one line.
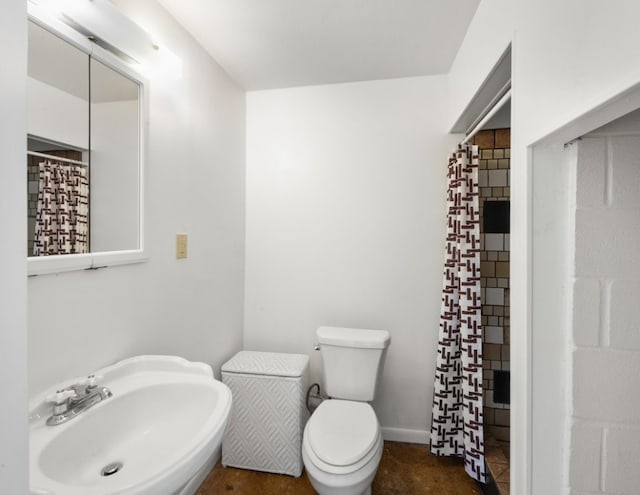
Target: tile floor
{"points": [[498, 464], [405, 469]]}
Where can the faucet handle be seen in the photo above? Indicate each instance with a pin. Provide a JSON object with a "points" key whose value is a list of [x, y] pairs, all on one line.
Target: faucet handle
{"points": [[91, 380], [60, 396], [88, 384]]}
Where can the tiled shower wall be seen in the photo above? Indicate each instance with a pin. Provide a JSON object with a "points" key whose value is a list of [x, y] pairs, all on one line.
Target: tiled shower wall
{"points": [[494, 181], [32, 198]]}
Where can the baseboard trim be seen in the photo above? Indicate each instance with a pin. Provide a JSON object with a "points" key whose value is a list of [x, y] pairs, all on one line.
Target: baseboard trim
{"points": [[405, 435]]}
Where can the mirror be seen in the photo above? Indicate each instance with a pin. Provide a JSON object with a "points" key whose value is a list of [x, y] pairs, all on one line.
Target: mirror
{"points": [[84, 160], [114, 125]]}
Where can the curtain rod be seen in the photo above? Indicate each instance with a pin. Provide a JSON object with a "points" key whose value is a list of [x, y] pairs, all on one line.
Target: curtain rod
{"points": [[57, 158], [494, 109]]}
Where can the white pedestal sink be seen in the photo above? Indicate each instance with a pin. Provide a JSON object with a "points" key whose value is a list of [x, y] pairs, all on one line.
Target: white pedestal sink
{"points": [[159, 434]]}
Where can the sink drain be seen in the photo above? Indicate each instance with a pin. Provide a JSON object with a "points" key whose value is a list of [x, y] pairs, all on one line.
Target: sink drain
{"points": [[110, 469]]}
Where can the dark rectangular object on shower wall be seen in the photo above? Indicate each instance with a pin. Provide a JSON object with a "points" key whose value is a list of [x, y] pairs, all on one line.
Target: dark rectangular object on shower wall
{"points": [[501, 387], [496, 217]]}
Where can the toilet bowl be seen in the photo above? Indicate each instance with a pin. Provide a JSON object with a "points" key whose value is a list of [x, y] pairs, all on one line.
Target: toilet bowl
{"points": [[341, 448]]}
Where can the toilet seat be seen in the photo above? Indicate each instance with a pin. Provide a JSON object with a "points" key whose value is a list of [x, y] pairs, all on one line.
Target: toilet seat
{"points": [[342, 436]]}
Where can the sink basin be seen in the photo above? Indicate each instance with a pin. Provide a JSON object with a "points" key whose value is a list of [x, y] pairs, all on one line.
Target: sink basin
{"points": [[158, 434]]}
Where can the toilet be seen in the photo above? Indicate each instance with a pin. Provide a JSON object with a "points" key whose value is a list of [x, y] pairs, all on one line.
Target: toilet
{"points": [[342, 442]]}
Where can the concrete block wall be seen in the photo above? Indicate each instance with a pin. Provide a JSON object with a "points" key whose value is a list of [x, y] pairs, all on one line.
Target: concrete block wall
{"points": [[604, 454]]}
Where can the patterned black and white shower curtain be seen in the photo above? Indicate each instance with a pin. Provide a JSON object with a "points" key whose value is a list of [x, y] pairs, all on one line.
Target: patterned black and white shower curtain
{"points": [[457, 422], [62, 215]]}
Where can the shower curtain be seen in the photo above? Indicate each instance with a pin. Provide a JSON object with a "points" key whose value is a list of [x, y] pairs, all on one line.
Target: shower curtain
{"points": [[62, 210], [457, 422]]}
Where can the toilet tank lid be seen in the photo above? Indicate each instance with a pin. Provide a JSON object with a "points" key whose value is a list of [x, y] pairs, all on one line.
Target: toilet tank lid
{"points": [[353, 337]]}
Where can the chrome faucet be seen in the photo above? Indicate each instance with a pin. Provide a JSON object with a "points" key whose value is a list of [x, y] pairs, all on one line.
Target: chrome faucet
{"points": [[71, 401]]}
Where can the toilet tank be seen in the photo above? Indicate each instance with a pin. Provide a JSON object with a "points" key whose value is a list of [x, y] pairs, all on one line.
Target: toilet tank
{"points": [[352, 361]]}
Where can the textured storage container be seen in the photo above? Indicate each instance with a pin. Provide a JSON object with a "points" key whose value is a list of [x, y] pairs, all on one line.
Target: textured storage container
{"points": [[268, 411]]}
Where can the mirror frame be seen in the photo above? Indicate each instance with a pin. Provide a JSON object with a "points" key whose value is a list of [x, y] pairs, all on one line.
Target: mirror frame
{"points": [[40, 265]]}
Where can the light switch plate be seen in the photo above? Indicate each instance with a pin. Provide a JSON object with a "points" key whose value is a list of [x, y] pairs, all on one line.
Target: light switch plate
{"points": [[181, 246]]}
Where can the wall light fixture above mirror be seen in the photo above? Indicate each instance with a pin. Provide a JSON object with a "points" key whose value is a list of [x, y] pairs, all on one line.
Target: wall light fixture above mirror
{"points": [[101, 21]]}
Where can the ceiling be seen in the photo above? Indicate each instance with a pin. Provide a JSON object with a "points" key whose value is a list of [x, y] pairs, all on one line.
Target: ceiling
{"points": [[266, 44]]}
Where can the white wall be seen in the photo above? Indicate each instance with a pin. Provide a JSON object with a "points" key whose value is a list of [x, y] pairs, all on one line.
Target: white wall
{"points": [[345, 226], [585, 56], [605, 433], [13, 245], [195, 183]]}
